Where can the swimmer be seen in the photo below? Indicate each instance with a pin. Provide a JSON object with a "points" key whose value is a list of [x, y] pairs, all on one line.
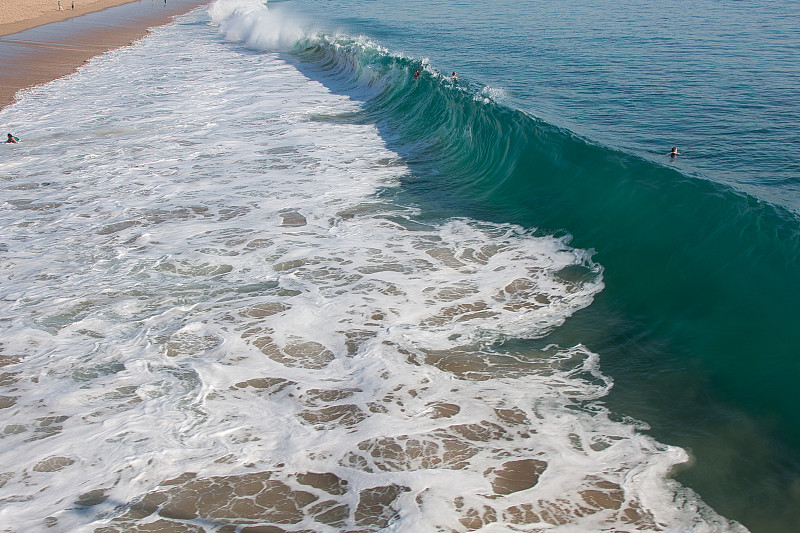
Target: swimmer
{"points": [[454, 75], [674, 152], [12, 139], [416, 74]]}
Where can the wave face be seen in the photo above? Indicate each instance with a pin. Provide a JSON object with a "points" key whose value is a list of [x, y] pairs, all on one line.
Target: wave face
{"points": [[713, 267], [696, 321], [299, 289]]}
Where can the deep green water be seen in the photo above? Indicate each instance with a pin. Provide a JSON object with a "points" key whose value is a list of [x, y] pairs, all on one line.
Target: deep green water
{"points": [[560, 120]]}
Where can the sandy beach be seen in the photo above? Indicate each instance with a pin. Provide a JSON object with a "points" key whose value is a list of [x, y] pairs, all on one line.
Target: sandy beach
{"points": [[40, 42]]}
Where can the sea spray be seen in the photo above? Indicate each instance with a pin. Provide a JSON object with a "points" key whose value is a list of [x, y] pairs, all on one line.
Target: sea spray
{"points": [[249, 21]]}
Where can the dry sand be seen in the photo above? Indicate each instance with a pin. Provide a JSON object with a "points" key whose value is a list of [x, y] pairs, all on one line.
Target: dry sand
{"points": [[26, 61]]}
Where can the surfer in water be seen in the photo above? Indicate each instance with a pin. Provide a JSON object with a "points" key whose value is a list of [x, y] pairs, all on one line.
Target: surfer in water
{"points": [[674, 152], [12, 139]]}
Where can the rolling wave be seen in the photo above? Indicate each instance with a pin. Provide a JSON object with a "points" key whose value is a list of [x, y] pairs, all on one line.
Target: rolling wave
{"points": [[716, 264], [710, 269], [701, 275]]}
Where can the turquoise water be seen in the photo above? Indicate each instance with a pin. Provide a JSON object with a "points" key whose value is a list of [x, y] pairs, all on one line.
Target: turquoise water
{"points": [[698, 321], [276, 281]]}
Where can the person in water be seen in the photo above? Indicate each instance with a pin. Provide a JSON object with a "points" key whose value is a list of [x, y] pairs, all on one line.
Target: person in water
{"points": [[416, 74], [454, 75], [674, 152], [12, 139]]}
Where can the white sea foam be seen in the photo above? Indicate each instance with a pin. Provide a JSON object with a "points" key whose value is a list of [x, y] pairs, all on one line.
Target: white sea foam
{"points": [[211, 317], [250, 21]]}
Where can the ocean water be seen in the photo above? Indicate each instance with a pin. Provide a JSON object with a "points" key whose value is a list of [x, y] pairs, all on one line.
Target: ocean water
{"points": [[256, 276]]}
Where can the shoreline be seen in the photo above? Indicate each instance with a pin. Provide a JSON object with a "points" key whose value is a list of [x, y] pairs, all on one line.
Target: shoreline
{"points": [[46, 47], [14, 19]]}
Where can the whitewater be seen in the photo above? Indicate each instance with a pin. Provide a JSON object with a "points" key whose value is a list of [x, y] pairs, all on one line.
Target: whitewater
{"points": [[216, 316]]}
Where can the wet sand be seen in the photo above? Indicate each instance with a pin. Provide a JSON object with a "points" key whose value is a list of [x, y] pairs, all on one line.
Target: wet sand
{"points": [[25, 14], [44, 47]]}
